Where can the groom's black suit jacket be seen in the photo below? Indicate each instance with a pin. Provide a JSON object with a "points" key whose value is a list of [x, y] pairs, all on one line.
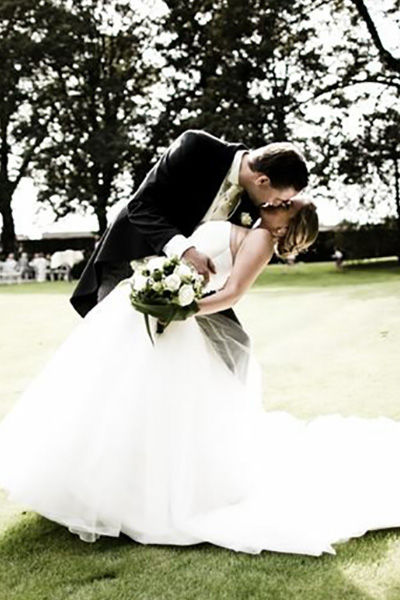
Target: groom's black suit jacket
{"points": [[173, 199]]}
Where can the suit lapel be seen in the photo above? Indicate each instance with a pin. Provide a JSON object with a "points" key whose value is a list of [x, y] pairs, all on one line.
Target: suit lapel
{"points": [[214, 168], [245, 206]]}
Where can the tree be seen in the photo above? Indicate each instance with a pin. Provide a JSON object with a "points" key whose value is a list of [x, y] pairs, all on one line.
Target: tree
{"points": [[25, 107], [101, 93], [239, 72], [387, 57], [373, 159], [360, 106]]}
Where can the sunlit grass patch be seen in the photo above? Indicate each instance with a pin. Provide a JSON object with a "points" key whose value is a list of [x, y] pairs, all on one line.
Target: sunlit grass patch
{"points": [[327, 274], [327, 349]]}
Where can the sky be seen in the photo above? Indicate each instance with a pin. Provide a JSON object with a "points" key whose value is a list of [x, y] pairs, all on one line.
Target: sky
{"points": [[33, 219]]}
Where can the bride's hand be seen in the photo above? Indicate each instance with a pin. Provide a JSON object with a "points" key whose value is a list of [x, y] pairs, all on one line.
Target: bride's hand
{"points": [[202, 263]]}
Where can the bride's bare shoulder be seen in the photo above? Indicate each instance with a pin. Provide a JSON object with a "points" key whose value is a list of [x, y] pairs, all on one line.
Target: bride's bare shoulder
{"points": [[261, 234], [238, 234]]}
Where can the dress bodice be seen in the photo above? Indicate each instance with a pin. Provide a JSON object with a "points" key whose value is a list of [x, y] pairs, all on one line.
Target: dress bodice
{"points": [[213, 239]]}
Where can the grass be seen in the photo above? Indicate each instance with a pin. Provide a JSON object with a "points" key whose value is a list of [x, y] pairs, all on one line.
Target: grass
{"points": [[276, 275], [326, 274], [324, 347], [32, 287], [40, 560]]}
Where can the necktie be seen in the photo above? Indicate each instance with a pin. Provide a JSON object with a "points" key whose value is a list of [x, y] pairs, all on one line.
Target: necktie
{"points": [[228, 202]]}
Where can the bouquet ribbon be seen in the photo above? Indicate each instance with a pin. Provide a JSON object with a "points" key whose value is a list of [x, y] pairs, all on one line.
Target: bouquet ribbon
{"points": [[164, 313]]}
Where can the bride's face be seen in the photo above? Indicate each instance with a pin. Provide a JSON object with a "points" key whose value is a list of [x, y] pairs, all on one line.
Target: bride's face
{"points": [[261, 191], [276, 218]]}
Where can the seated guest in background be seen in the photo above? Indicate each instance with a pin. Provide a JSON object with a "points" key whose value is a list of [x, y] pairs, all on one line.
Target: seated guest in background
{"points": [[23, 266], [40, 264], [10, 269]]}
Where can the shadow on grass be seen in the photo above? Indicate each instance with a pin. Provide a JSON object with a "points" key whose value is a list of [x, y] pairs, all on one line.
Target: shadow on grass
{"points": [[40, 560]]}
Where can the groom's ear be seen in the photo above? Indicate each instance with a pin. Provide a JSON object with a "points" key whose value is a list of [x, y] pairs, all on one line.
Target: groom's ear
{"points": [[262, 179]]}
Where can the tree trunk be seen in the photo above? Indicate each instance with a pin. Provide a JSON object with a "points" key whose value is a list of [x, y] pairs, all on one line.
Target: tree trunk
{"points": [[8, 238], [103, 187], [101, 215], [397, 198]]}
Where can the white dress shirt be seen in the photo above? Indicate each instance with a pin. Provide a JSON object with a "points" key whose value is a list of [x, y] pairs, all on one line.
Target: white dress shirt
{"points": [[178, 244]]}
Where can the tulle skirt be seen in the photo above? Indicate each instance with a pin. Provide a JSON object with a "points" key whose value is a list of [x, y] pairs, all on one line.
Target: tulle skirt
{"points": [[170, 445]]}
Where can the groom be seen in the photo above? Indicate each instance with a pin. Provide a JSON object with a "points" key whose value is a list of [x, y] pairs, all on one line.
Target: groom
{"points": [[198, 178]]}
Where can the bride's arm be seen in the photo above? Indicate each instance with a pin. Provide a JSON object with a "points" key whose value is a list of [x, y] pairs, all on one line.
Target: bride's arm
{"points": [[254, 253]]}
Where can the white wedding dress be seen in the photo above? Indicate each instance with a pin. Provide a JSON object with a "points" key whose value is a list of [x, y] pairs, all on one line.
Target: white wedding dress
{"points": [[168, 445]]}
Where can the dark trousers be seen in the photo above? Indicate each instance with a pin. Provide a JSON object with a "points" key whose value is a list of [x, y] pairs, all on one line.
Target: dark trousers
{"points": [[111, 274]]}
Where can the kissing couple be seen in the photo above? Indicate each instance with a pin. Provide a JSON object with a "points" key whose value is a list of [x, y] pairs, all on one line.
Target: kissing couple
{"points": [[169, 443]]}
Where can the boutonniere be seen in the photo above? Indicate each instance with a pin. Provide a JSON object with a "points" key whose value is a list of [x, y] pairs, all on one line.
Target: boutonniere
{"points": [[245, 219]]}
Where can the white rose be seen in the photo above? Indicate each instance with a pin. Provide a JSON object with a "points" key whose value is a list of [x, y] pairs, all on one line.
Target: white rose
{"points": [[186, 295], [139, 282], [172, 282], [245, 219], [157, 286], [156, 263], [183, 271]]}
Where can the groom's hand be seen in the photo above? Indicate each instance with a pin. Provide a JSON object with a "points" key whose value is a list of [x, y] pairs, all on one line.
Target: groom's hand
{"points": [[202, 263]]}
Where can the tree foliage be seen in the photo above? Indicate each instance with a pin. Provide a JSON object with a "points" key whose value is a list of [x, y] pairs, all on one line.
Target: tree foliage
{"points": [[237, 71], [367, 154], [372, 159], [86, 108], [391, 11], [101, 90], [25, 99]]}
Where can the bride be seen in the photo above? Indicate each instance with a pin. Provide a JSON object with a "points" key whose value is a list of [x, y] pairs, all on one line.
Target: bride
{"points": [[169, 444]]}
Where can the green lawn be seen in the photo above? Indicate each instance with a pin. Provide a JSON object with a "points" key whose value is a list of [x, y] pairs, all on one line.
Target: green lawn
{"points": [[276, 275], [327, 342], [32, 287], [326, 274]]}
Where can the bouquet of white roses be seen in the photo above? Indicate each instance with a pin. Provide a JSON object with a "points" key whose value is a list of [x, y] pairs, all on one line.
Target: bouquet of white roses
{"points": [[165, 288]]}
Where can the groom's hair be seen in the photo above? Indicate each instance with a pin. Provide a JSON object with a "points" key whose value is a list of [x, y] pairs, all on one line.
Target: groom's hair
{"points": [[283, 163]]}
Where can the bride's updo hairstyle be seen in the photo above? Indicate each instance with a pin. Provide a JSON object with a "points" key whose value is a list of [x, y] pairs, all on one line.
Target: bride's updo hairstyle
{"points": [[301, 233]]}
